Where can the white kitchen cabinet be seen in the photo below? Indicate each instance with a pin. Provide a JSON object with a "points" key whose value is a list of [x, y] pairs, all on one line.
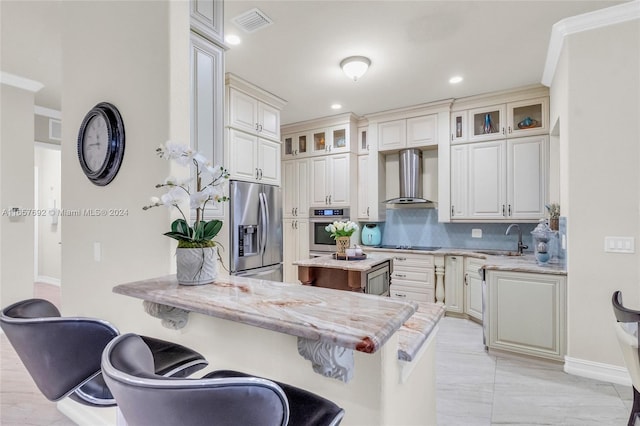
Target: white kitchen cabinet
{"points": [[207, 110], [370, 192], [473, 287], [527, 174], [295, 178], [254, 159], [295, 146], [207, 19], [454, 284], [487, 180], [459, 181], [253, 116], [487, 123], [363, 187], [331, 179], [331, 140], [413, 276], [514, 119], [499, 180], [296, 246], [459, 128], [416, 132], [528, 117], [527, 313], [363, 143]]}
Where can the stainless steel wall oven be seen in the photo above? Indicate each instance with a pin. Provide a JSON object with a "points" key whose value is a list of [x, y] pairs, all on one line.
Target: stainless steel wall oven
{"points": [[320, 242]]}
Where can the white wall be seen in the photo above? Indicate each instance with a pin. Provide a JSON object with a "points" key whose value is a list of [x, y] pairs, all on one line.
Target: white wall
{"points": [[127, 64], [596, 96], [16, 190]]}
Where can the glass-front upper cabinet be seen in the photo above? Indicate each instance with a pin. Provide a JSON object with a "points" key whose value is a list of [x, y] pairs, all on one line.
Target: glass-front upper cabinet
{"points": [[363, 144], [487, 123], [319, 141], [528, 117], [340, 139], [294, 146], [459, 126]]}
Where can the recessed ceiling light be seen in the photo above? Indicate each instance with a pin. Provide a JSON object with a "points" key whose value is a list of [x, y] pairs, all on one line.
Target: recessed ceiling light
{"points": [[336, 106], [232, 39], [455, 80]]}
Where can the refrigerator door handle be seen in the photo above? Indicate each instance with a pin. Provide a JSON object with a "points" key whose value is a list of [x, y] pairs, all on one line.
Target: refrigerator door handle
{"points": [[265, 221]]}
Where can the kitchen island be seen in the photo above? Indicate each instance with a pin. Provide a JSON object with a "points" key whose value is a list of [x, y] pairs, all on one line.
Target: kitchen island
{"points": [[371, 355], [370, 275]]}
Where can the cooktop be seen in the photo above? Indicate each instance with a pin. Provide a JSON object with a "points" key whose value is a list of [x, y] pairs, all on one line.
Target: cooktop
{"points": [[408, 247]]}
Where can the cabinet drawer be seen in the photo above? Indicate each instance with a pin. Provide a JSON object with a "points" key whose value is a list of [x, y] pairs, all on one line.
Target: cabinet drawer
{"points": [[418, 285], [413, 274], [412, 259], [402, 292]]}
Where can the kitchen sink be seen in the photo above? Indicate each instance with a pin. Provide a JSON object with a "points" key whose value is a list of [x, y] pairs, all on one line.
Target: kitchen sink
{"points": [[499, 252]]}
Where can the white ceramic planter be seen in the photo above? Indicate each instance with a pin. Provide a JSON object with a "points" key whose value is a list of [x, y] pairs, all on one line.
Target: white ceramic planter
{"points": [[197, 266]]}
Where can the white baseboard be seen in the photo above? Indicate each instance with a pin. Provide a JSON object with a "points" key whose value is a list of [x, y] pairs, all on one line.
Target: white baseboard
{"points": [[48, 280], [597, 370]]}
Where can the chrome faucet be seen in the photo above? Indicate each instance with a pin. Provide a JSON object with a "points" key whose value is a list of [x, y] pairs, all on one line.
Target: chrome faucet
{"points": [[521, 246]]}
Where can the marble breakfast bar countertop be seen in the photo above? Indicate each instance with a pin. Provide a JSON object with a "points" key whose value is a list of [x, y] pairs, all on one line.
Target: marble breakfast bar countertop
{"points": [[327, 261], [355, 321]]}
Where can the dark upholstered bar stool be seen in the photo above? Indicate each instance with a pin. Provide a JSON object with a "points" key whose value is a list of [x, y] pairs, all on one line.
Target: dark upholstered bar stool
{"points": [[627, 323], [219, 398], [63, 354]]}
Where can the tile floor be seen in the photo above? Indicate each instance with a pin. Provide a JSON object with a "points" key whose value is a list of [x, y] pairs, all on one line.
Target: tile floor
{"points": [[473, 388]]}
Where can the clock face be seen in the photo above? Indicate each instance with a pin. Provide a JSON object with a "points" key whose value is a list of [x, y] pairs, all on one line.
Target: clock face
{"points": [[101, 143], [95, 143]]}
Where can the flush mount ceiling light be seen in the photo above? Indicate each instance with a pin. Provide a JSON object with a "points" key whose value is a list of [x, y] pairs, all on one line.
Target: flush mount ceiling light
{"points": [[355, 66], [232, 39], [455, 80]]}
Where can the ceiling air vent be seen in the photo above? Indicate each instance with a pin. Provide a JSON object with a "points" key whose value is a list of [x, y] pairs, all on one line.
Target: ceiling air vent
{"points": [[252, 20]]}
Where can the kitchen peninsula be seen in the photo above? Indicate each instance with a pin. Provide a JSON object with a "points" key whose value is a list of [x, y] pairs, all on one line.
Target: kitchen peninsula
{"points": [[370, 275], [373, 356]]}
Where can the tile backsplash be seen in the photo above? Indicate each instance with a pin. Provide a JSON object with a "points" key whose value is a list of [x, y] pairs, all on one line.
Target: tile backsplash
{"points": [[420, 227]]}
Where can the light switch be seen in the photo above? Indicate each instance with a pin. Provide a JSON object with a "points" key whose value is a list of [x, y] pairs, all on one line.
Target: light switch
{"points": [[619, 245], [476, 233]]}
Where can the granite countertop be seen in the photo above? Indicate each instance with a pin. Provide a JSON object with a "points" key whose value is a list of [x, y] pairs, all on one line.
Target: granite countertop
{"points": [[526, 263], [415, 331], [352, 320], [329, 262]]}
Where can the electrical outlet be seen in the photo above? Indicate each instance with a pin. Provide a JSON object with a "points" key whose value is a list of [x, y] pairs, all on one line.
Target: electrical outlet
{"points": [[476, 233], [619, 245]]}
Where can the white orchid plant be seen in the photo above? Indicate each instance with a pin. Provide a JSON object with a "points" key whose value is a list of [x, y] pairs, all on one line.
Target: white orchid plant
{"points": [[341, 229], [208, 189]]}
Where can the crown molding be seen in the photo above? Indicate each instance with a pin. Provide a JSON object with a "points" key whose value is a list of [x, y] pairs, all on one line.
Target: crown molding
{"points": [[20, 82], [587, 21]]}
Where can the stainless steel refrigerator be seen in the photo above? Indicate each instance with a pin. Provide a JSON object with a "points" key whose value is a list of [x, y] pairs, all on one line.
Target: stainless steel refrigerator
{"points": [[256, 230]]}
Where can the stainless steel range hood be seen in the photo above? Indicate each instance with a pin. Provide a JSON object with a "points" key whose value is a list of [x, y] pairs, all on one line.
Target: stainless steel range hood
{"points": [[410, 178]]}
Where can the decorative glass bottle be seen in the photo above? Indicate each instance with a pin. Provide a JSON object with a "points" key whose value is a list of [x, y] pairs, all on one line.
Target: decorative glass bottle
{"points": [[542, 235]]}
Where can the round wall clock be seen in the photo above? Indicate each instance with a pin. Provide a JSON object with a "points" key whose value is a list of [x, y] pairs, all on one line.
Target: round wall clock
{"points": [[101, 143]]}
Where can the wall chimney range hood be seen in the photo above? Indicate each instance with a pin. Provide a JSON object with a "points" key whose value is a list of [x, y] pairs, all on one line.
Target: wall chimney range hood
{"points": [[410, 178]]}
